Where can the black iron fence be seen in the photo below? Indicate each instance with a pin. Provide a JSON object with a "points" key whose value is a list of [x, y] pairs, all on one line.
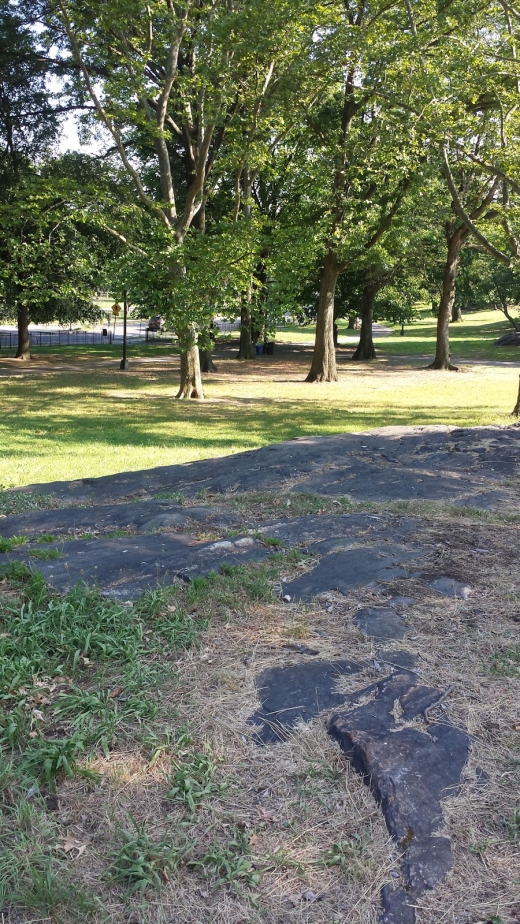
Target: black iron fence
{"points": [[54, 338]]}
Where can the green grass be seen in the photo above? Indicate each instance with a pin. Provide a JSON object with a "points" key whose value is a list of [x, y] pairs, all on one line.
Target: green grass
{"points": [[7, 545], [89, 419], [471, 339], [506, 662], [83, 678], [82, 661], [140, 862]]}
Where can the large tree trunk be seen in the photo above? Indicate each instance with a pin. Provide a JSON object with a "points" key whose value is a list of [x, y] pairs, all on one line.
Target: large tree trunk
{"points": [[323, 368], [206, 361], [365, 348], [24, 349], [442, 352], [246, 349], [456, 313], [191, 379]]}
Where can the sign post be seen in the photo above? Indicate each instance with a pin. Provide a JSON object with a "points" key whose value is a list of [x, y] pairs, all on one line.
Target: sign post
{"points": [[115, 309], [124, 362]]}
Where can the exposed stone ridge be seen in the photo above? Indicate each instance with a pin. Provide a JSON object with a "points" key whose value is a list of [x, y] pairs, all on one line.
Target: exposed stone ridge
{"points": [[410, 768]]}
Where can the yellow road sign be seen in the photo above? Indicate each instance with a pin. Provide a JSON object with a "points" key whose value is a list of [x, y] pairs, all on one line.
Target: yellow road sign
{"points": [[115, 309]]}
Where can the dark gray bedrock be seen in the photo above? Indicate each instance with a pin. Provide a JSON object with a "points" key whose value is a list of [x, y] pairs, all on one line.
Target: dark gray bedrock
{"points": [[420, 462]]}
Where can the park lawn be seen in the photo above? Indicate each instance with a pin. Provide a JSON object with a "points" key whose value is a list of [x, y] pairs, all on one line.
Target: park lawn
{"points": [[86, 418], [473, 338]]}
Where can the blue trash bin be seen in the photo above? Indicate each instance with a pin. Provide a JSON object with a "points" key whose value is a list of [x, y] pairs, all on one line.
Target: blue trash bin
{"points": [[259, 349]]}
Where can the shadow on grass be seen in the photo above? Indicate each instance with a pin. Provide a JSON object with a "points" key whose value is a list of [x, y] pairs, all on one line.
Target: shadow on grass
{"points": [[207, 427]]}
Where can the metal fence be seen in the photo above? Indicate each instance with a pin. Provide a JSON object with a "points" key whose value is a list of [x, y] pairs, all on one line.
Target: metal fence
{"points": [[55, 338]]}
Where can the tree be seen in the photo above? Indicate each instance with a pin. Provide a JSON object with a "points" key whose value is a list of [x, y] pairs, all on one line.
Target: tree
{"points": [[28, 120], [47, 268], [366, 150], [173, 86], [51, 248]]}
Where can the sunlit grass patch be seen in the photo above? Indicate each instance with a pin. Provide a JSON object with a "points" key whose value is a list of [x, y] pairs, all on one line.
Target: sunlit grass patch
{"points": [[67, 425]]}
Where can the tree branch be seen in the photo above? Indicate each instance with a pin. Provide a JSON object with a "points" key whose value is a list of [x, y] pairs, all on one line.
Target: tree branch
{"points": [[108, 122], [125, 241], [463, 215]]}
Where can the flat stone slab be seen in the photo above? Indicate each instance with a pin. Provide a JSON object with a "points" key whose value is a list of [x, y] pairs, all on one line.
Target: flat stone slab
{"points": [[297, 693], [393, 463], [381, 622], [329, 533], [127, 566], [449, 587], [138, 517], [410, 770], [358, 567]]}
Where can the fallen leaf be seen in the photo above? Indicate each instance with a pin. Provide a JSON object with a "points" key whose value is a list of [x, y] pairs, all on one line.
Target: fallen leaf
{"points": [[71, 843], [265, 815], [39, 699], [116, 692]]}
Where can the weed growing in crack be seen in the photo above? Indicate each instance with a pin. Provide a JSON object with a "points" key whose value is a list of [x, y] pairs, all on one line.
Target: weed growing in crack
{"points": [[177, 496], [45, 554], [8, 544], [13, 502]]}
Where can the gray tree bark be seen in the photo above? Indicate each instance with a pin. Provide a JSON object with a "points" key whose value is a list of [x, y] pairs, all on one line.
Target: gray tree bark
{"points": [[455, 241], [24, 350], [365, 349], [191, 379], [323, 367]]}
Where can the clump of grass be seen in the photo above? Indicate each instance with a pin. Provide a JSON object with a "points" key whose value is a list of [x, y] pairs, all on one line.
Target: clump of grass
{"points": [[229, 862], [45, 759], [177, 496], [512, 826], [141, 863], [12, 502], [346, 855], [45, 554], [506, 662], [7, 544], [191, 780], [295, 504]]}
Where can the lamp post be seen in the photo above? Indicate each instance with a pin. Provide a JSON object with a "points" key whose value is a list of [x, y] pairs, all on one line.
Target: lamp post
{"points": [[124, 362]]}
